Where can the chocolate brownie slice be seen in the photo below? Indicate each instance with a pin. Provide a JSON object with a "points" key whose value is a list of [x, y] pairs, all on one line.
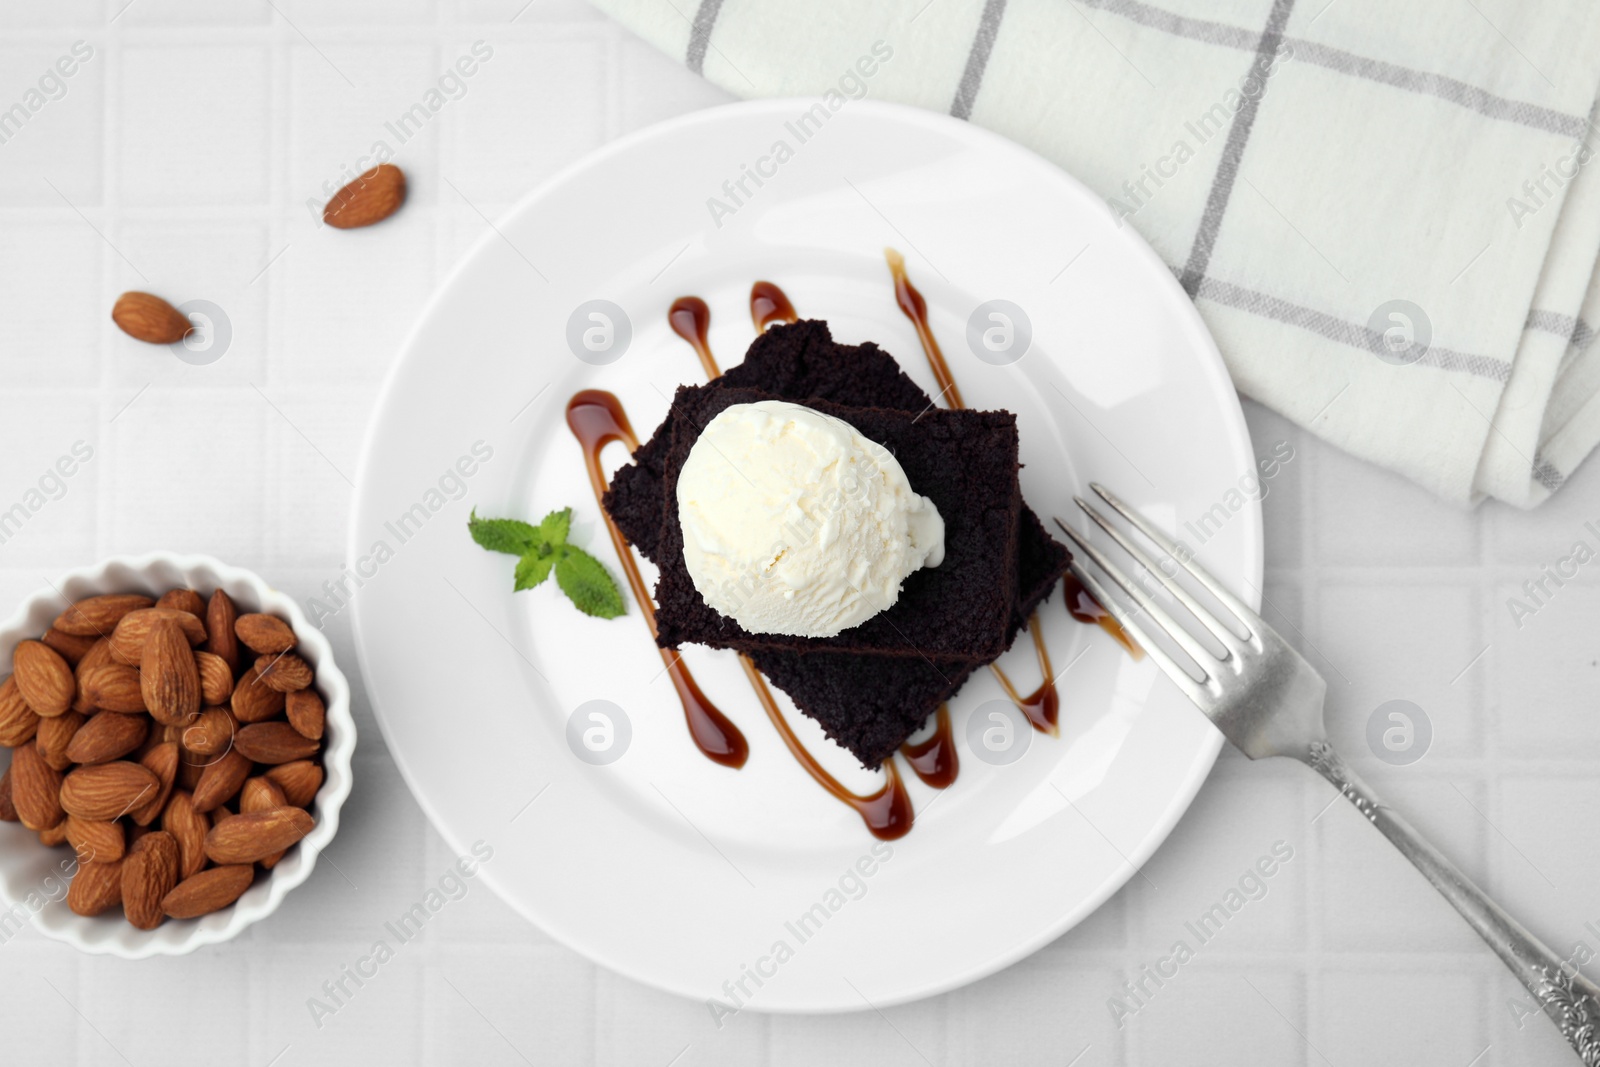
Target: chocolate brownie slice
{"points": [[964, 461]]}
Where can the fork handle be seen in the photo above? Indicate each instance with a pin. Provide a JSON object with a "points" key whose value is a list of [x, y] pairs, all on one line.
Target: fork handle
{"points": [[1567, 997]]}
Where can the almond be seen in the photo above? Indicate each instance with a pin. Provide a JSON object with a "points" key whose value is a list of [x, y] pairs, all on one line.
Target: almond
{"points": [[306, 713], [254, 700], [127, 640], [168, 676], [8, 810], [55, 835], [221, 641], [105, 790], [247, 838], [161, 761], [97, 887], [18, 723], [99, 655], [55, 739], [220, 780], [71, 647], [35, 789], [112, 687], [262, 794], [372, 197], [187, 827], [266, 634], [273, 742], [287, 673], [208, 891], [211, 733], [149, 873], [216, 678], [299, 781], [43, 678], [148, 318], [96, 841], [183, 600], [98, 615], [108, 736]]}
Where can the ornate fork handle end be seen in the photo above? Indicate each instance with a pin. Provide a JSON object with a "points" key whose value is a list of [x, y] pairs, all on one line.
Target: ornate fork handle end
{"points": [[1567, 997]]}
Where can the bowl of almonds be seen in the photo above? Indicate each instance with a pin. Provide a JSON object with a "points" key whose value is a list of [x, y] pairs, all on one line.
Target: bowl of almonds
{"points": [[179, 744]]}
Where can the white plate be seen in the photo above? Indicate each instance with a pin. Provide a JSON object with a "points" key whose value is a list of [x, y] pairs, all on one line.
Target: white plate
{"points": [[663, 866]]}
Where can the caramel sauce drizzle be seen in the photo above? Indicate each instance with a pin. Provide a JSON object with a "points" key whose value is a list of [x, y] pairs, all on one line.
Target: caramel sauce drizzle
{"points": [[596, 419], [887, 813], [691, 320], [935, 759], [916, 309], [769, 305]]}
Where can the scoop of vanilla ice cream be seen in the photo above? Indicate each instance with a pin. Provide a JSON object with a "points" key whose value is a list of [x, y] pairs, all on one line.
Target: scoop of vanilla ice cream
{"points": [[793, 523]]}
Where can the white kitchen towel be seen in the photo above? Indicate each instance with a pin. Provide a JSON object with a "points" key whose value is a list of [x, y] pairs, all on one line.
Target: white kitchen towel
{"points": [[1383, 211]]}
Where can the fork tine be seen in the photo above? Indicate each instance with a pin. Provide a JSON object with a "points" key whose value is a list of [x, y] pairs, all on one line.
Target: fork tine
{"points": [[1201, 655], [1195, 691], [1203, 615], [1242, 611]]}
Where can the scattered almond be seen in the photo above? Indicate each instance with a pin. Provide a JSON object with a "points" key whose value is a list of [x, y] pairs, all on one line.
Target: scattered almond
{"points": [[108, 736], [55, 739], [168, 676], [221, 641], [71, 647], [18, 723], [162, 762], [104, 790], [220, 780], [299, 781], [35, 789], [273, 742], [148, 318], [187, 827], [98, 615], [208, 891], [96, 841], [96, 888], [43, 678], [247, 838], [127, 640], [372, 197], [112, 687], [149, 873], [266, 634], [306, 713]]}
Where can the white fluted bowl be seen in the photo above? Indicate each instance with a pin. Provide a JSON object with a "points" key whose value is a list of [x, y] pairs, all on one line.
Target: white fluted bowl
{"points": [[33, 878]]}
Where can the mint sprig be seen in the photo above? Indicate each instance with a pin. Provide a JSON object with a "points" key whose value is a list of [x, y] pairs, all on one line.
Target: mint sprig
{"points": [[543, 548]]}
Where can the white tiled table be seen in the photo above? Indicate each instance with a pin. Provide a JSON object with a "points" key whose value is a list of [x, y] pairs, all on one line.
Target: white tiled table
{"points": [[180, 159]]}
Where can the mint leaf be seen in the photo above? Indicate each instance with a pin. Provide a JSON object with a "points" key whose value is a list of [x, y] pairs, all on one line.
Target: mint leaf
{"points": [[553, 529], [532, 569], [587, 584], [511, 536]]}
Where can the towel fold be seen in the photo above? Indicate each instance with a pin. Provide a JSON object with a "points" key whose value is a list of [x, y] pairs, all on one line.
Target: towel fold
{"points": [[1385, 213]]}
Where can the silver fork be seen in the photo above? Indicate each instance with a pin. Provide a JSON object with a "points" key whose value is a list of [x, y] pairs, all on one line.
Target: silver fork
{"points": [[1267, 700]]}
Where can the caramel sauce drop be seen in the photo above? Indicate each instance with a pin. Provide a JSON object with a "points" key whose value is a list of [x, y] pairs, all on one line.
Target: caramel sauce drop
{"points": [[691, 320], [1082, 605], [769, 305], [596, 419], [887, 812], [934, 759], [1043, 705], [916, 309]]}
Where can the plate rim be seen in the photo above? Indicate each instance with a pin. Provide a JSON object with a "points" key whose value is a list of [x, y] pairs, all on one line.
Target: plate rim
{"points": [[1212, 365]]}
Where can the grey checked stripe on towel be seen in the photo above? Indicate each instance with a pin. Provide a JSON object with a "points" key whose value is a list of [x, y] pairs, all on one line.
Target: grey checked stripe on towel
{"points": [[1383, 211]]}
